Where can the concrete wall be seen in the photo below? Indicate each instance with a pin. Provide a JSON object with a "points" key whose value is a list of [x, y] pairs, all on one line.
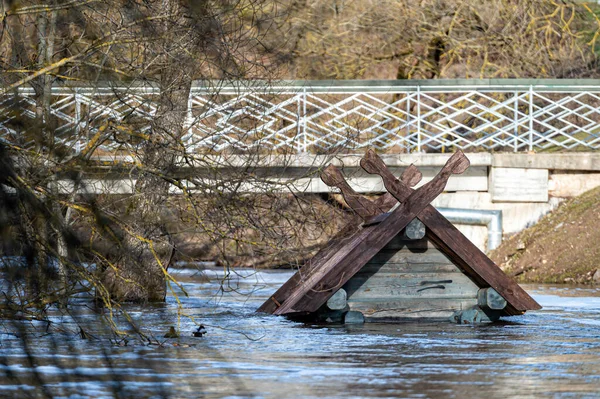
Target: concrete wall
{"points": [[523, 186]]}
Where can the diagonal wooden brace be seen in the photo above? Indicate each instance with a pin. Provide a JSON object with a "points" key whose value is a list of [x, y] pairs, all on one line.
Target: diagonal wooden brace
{"points": [[447, 236], [365, 208], [341, 267], [362, 206], [384, 203]]}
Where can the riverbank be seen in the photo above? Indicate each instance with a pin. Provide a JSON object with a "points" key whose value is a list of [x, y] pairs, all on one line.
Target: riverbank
{"points": [[560, 248]]}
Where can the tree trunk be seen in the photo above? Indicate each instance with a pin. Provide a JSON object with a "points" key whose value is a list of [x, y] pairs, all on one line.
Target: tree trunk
{"points": [[141, 276]]}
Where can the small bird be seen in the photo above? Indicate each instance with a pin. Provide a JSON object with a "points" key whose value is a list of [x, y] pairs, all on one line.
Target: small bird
{"points": [[172, 333], [200, 331], [83, 334]]}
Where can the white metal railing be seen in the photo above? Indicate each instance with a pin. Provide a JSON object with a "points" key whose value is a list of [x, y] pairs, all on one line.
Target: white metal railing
{"points": [[321, 116]]}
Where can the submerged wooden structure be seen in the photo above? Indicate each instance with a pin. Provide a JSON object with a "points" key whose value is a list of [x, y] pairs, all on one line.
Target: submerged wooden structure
{"points": [[399, 259]]}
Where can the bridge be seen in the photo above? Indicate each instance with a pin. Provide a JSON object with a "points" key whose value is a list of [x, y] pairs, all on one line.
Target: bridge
{"points": [[318, 117], [298, 127]]}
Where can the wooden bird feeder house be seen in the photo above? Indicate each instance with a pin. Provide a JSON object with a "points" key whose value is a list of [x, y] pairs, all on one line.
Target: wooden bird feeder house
{"points": [[401, 259]]}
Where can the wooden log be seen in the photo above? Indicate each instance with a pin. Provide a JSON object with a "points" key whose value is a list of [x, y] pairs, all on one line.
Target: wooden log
{"points": [[415, 230], [490, 299], [354, 317], [338, 241], [317, 288], [462, 251], [474, 315], [337, 300]]}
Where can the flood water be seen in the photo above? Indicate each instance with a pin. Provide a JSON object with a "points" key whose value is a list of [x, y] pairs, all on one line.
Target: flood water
{"points": [[552, 353]]}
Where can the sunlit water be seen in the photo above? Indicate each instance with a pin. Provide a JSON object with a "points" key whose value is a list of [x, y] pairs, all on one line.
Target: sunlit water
{"points": [[551, 353]]}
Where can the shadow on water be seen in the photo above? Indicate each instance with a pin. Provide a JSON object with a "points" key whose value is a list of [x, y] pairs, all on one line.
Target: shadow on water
{"points": [[552, 353]]}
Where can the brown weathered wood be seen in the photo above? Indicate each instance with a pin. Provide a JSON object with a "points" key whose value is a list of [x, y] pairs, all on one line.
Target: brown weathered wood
{"points": [[462, 251], [337, 242], [384, 203], [362, 206], [457, 164], [319, 286], [340, 262], [366, 209], [411, 176]]}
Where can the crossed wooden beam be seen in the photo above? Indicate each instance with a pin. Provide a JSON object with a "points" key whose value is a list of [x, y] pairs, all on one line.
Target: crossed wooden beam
{"points": [[335, 264]]}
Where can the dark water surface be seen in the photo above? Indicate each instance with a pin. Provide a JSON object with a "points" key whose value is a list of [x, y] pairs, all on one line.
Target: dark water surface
{"points": [[552, 353]]}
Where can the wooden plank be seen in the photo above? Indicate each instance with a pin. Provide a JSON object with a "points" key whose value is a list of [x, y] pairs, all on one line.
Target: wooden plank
{"points": [[426, 285], [407, 256], [365, 208], [413, 268], [470, 258], [462, 251], [519, 185], [318, 287], [393, 278], [362, 206], [334, 245], [441, 308]]}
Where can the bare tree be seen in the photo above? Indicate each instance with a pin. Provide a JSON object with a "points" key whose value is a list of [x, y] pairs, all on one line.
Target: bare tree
{"points": [[162, 46], [397, 39]]}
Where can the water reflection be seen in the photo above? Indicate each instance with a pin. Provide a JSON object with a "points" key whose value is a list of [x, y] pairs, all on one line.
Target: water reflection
{"points": [[551, 353]]}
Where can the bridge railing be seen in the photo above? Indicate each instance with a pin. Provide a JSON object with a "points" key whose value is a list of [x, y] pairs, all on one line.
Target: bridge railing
{"points": [[324, 116]]}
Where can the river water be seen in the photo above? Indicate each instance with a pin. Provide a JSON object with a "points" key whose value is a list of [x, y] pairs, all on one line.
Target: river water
{"points": [[552, 353]]}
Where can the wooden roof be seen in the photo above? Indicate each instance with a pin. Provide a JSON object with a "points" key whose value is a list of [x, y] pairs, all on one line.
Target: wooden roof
{"points": [[350, 250]]}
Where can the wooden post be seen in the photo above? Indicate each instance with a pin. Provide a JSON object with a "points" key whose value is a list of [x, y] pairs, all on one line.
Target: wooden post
{"points": [[415, 230], [475, 315], [490, 299], [354, 317], [338, 301]]}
